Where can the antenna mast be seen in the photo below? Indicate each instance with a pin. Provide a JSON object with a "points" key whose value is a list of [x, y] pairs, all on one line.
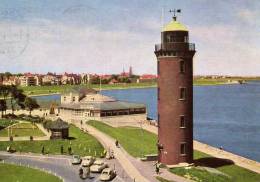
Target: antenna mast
{"points": [[174, 11]]}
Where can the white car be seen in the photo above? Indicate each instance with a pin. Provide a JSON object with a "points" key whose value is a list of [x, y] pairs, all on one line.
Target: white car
{"points": [[107, 174], [98, 166], [87, 161], [76, 159]]}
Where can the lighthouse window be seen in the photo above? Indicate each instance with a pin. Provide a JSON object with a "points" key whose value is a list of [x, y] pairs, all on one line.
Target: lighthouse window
{"points": [[182, 121], [158, 96], [158, 122], [168, 38], [158, 68], [186, 39], [182, 66], [183, 149], [173, 39], [182, 93]]}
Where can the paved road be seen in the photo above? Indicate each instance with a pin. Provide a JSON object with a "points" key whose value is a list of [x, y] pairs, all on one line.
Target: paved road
{"points": [[60, 165]]}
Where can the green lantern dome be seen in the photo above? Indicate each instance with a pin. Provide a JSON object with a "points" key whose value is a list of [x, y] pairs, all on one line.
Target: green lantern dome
{"points": [[174, 26]]}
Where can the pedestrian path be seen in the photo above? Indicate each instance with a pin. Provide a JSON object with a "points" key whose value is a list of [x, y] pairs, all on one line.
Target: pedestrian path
{"points": [[140, 171], [110, 143]]}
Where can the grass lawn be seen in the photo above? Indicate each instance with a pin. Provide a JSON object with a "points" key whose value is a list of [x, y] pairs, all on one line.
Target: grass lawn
{"points": [[134, 140], [81, 144], [52, 89], [162, 179], [22, 129], [13, 173], [233, 173], [36, 90], [210, 81]]}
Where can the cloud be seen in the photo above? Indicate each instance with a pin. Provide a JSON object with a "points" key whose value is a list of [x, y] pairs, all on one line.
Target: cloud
{"points": [[224, 49], [58, 47], [247, 15], [43, 45]]}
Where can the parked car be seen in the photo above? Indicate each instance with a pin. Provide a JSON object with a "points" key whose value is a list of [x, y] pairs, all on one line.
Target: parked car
{"points": [[98, 166], [107, 174], [87, 161], [76, 159], [84, 172]]}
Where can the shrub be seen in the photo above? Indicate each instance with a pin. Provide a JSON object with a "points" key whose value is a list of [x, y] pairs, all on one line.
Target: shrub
{"points": [[6, 122], [10, 116], [46, 124], [21, 115]]}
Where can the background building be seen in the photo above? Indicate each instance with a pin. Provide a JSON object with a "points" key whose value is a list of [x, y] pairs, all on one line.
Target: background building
{"points": [[30, 80]]}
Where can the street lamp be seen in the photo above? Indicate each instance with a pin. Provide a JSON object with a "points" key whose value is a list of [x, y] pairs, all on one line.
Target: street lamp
{"points": [[142, 132]]}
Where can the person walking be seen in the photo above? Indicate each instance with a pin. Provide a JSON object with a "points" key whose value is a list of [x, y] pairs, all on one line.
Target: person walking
{"points": [[88, 172], [61, 149], [157, 168], [69, 150], [117, 144], [80, 172], [42, 150]]}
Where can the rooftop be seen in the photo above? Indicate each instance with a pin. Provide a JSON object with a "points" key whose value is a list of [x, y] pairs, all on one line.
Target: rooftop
{"points": [[113, 105], [59, 124], [174, 25]]}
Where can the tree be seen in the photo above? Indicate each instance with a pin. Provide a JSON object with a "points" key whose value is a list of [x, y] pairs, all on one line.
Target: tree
{"points": [[3, 106], [7, 75], [4, 92], [31, 104], [17, 97], [95, 80]]}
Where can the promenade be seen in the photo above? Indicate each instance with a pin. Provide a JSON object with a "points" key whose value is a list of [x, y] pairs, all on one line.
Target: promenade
{"points": [[215, 152]]}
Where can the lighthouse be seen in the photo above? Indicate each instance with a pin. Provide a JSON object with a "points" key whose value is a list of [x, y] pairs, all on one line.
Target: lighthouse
{"points": [[175, 94]]}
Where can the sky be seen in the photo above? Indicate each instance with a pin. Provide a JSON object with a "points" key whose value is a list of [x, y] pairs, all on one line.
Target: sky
{"points": [[86, 36]]}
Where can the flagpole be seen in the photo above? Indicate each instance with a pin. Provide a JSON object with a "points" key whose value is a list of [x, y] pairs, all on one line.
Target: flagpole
{"points": [[162, 17], [162, 23], [100, 83]]}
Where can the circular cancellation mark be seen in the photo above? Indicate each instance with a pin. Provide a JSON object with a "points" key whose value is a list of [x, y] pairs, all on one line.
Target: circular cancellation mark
{"points": [[14, 33]]}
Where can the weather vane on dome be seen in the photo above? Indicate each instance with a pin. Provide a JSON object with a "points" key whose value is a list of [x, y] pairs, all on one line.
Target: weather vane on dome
{"points": [[174, 11]]}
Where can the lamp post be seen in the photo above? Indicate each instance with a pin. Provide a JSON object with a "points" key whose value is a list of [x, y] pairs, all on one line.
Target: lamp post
{"points": [[142, 132]]}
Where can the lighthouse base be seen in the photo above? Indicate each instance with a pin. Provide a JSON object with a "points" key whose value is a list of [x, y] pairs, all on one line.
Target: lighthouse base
{"points": [[183, 164]]}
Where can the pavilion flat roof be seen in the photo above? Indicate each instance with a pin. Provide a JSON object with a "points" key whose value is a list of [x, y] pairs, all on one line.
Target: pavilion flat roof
{"points": [[113, 105]]}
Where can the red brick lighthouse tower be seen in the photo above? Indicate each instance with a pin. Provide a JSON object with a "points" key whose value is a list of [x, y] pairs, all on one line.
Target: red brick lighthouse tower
{"points": [[175, 94]]}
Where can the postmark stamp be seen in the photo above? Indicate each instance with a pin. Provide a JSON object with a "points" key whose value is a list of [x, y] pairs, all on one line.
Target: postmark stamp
{"points": [[14, 36]]}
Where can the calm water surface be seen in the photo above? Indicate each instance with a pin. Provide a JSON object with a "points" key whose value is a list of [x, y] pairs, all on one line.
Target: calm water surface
{"points": [[226, 115]]}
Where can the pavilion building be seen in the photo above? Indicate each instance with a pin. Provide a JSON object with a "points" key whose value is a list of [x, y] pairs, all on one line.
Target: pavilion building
{"points": [[88, 104]]}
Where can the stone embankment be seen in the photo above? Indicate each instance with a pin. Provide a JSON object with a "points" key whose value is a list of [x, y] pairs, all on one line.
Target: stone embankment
{"points": [[215, 152]]}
